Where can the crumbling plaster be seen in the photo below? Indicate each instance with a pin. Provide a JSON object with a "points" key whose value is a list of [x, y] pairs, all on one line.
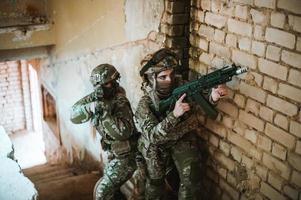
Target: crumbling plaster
{"points": [[13, 184], [24, 24]]}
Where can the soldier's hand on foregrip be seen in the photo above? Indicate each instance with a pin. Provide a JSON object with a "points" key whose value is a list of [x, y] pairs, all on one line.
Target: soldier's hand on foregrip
{"points": [[219, 92], [180, 107]]}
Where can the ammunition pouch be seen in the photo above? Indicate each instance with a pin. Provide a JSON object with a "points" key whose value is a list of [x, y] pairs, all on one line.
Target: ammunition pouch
{"points": [[120, 148]]}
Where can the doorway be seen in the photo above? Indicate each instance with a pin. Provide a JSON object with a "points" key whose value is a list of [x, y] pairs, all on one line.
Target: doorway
{"points": [[21, 111]]}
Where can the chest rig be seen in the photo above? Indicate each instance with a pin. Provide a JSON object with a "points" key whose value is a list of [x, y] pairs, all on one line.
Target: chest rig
{"points": [[119, 148]]}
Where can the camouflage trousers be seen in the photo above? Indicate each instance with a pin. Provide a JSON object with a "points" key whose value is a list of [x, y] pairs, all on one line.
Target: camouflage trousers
{"points": [[185, 156], [116, 173]]}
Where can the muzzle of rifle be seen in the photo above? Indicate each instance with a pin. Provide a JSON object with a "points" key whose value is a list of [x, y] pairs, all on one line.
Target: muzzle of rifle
{"points": [[241, 70]]}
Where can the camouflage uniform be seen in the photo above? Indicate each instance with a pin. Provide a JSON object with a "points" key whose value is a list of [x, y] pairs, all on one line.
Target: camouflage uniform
{"points": [[163, 137], [113, 120]]}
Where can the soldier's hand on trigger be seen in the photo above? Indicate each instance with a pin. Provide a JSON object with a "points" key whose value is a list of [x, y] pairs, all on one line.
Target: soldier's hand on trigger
{"points": [[181, 107], [219, 92]]}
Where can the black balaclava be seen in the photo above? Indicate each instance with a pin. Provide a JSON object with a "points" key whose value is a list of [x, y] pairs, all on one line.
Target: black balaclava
{"points": [[109, 92]]}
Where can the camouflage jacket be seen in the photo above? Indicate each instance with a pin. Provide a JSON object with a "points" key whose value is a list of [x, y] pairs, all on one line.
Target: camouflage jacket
{"points": [[113, 119], [165, 129], [159, 130]]}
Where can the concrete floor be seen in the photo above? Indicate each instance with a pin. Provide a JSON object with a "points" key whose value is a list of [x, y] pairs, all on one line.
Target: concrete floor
{"points": [[29, 148], [59, 182]]}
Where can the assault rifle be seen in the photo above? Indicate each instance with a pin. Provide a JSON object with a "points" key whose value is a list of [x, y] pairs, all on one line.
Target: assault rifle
{"points": [[194, 88]]}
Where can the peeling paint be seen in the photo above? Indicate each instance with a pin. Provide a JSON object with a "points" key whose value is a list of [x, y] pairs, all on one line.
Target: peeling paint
{"points": [[248, 183]]}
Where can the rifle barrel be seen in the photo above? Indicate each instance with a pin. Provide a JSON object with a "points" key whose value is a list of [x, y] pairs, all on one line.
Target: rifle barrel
{"points": [[241, 70]]}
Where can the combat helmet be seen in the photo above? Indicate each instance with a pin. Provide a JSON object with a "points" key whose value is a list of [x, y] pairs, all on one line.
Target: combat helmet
{"points": [[160, 61], [103, 74]]}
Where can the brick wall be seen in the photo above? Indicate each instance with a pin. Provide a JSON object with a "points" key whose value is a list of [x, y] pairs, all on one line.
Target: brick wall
{"points": [[15, 103], [255, 146], [175, 26]]}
